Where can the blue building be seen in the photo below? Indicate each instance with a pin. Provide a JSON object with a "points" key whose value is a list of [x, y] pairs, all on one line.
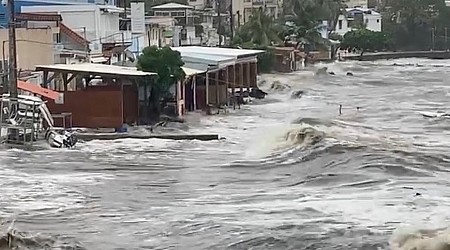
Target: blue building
{"points": [[19, 3]]}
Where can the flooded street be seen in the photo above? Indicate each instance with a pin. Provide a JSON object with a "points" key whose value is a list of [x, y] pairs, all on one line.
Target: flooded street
{"points": [[291, 174]]}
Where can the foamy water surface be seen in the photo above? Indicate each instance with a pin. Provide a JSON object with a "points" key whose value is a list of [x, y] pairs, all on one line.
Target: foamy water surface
{"points": [[365, 179]]}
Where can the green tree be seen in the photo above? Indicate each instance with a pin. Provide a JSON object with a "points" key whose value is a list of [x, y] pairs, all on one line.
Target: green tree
{"points": [[167, 64], [365, 40], [302, 19], [411, 23]]}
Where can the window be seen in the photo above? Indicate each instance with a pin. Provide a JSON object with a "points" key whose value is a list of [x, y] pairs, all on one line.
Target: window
{"points": [[177, 14], [340, 24], [56, 38], [378, 20], [161, 13]]}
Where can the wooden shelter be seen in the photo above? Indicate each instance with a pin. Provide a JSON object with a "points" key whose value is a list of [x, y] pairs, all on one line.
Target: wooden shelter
{"points": [[226, 69], [98, 95]]}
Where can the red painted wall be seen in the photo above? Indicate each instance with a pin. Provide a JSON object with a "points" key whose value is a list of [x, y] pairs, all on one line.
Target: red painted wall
{"points": [[94, 107]]}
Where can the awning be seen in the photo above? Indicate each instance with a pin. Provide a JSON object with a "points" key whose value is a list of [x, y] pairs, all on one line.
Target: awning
{"points": [[191, 71], [37, 89]]}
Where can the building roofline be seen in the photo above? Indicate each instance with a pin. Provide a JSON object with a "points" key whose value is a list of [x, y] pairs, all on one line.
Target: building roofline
{"points": [[95, 69], [73, 35], [38, 17]]}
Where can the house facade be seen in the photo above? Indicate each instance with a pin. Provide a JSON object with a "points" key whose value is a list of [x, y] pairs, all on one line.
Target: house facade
{"points": [[356, 18], [34, 46], [18, 4], [98, 24], [188, 30]]}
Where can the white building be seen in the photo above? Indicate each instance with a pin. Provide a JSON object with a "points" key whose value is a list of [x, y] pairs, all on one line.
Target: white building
{"points": [[98, 23], [185, 33], [159, 30], [357, 3], [370, 19]]}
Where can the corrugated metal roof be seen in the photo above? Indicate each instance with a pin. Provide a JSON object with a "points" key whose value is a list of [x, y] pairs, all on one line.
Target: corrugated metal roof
{"points": [[209, 59], [172, 6], [227, 52], [95, 69]]}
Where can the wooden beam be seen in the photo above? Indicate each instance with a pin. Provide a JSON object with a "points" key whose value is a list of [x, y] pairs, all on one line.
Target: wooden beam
{"points": [[71, 77], [49, 79]]}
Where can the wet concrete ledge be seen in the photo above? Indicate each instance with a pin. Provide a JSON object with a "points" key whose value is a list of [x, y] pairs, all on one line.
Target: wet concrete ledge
{"points": [[115, 136], [399, 55]]}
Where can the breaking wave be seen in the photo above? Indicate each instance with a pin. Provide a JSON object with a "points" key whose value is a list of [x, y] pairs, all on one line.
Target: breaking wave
{"points": [[12, 239]]}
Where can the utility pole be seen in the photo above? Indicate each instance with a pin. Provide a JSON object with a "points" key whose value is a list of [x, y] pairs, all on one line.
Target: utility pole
{"points": [[219, 22], [86, 46], [12, 50], [231, 21]]}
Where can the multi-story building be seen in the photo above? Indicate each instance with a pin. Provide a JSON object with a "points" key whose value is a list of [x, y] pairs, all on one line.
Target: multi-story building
{"points": [[18, 4], [357, 18], [188, 30], [242, 9]]}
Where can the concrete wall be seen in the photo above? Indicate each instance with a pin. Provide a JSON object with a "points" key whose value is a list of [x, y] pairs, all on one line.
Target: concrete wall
{"points": [[34, 47]]}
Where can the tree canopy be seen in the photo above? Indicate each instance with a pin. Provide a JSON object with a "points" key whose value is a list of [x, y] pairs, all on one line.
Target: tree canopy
{"points": [[165, 62], [365, 40], [415, 24]]}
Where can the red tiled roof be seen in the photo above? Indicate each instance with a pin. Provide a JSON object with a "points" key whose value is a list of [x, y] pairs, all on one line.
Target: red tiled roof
{"points": [[72, 34], [38, 17]]}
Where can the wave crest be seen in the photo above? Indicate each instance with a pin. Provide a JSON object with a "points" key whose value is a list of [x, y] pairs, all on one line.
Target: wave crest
{"points": [[11, 238], [437, 239]]}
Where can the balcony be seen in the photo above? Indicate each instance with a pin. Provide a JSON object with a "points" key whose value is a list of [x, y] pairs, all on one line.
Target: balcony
{"points": [[115, 36]]}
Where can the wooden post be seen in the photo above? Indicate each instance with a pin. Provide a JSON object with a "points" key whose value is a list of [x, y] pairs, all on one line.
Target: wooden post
{"points": [[64, 76], [217, 88], [183, 88], [233, 90], [248, 77], [194, 90], [241, 77], [45, 79], [207, 88], [226, 83], [12, 50]]}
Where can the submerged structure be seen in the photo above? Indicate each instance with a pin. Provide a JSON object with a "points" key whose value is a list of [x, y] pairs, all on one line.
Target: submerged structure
{"points": [[26, 119]]}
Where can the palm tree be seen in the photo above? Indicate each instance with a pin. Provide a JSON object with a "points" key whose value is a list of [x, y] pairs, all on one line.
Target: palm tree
{"points": [[259, 30]]}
